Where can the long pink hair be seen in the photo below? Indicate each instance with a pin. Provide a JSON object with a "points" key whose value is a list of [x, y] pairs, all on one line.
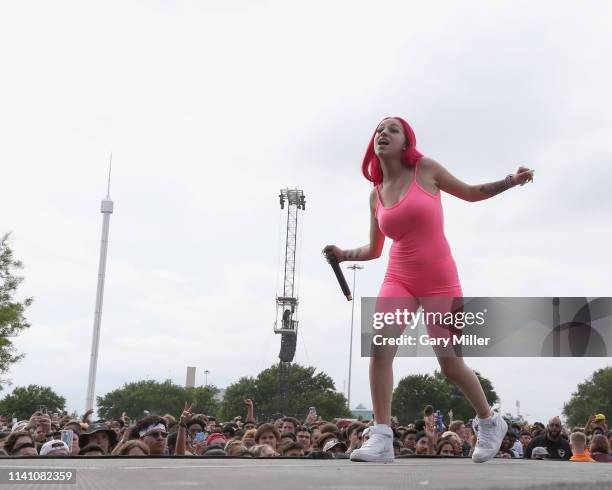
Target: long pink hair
{"points": [[371, 168]]}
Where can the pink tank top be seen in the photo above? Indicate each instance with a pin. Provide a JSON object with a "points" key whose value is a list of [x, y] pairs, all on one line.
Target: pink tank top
{"points": [[416, 226]]}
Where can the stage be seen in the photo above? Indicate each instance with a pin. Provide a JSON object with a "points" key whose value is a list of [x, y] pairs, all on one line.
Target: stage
{"points": [[266, 474]]}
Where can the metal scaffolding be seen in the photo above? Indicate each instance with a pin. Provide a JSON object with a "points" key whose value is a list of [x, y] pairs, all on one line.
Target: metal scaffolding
{"points": [[286, 323]]}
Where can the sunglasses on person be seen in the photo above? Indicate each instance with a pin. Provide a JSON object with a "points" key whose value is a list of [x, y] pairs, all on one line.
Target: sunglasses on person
{"points": [[157, 433]]}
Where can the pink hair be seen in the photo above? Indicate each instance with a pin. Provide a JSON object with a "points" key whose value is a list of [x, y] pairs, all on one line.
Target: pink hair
{"points": [[371, 168]]}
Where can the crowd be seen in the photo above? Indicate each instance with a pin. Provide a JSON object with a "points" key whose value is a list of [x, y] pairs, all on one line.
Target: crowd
{"points": [[192, 434]]}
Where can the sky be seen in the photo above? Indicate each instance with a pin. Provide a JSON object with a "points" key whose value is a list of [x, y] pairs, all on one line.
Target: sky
{"points": [[210, 108]]}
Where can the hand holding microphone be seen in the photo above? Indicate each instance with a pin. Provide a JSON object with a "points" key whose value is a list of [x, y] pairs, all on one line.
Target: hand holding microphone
{"points": [[334, 256]]}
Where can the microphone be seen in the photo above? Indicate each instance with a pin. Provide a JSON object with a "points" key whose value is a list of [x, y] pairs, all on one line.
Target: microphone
{"points": [[333, 261]]}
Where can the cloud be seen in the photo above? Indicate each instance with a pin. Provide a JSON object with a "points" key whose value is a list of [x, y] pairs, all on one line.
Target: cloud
{"points": [[210, 110]]}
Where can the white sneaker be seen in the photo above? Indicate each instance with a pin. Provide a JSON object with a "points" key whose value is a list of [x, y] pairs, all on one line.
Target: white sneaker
{"points": [[378, 448], [490, 434]]}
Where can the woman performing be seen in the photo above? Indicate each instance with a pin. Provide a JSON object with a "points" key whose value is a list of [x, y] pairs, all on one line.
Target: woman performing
{"points": [[406, 206]]}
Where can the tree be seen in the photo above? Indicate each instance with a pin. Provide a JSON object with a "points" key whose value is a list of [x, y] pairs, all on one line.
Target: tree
{"points": [[158, 398], [305, 389], [235, 394], [12, 320], [202, 399], [592, 396], [23, 402], [416, 391]]}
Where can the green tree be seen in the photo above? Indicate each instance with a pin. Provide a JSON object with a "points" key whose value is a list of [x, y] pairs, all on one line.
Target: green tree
{"points": [[305, 389], [12, 320], [23, 402], [592, 396], [158, 398], [413, 393], [233, 398], [202, 399], [416, 391]]}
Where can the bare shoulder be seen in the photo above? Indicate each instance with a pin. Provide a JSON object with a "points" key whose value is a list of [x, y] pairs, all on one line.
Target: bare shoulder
{"points": [[432, 171], [373, 199], [429, 174], [429, 165]]}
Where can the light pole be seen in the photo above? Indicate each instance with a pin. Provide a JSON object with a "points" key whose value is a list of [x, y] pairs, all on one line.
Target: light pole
{"points": [[206, 373], [106, 209], [355, 268]]}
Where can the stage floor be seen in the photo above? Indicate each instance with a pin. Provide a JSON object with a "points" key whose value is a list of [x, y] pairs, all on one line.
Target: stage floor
{"points": [[289, 474]]}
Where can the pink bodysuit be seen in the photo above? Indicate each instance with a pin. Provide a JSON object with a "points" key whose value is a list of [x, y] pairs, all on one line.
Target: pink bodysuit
{"points": [[420, 259]]}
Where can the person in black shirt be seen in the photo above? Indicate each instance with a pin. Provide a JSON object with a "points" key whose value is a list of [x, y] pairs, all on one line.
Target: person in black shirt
{"points": [[552, 440]]}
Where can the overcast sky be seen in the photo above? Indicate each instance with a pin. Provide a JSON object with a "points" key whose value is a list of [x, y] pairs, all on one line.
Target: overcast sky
{"points": [[209, 108]]}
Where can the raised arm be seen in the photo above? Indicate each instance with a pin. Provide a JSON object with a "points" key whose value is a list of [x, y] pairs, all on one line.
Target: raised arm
{"points": [[250, 412], [447, 182], [366, 252], [181, 436]]}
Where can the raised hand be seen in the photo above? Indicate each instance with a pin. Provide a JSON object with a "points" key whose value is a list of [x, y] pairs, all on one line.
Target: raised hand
{"points": [[522, 176], [311, 418], [186, 414], [334, 250]]}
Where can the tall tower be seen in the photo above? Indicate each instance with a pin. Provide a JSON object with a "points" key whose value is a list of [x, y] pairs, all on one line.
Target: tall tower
{"points": [[107, 210], [286, 323]]}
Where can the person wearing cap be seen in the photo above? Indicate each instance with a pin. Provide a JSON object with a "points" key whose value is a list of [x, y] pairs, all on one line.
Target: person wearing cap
{"points": [[540, 452], [552, 440], [324, 438], [249, 424], [334, 446], [99, 434], [216, 437], [596, 425], [153, 431], [54, 447]]}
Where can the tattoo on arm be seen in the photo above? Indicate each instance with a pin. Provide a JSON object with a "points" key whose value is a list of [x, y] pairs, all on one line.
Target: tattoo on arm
{"points": [[493, 188]]}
